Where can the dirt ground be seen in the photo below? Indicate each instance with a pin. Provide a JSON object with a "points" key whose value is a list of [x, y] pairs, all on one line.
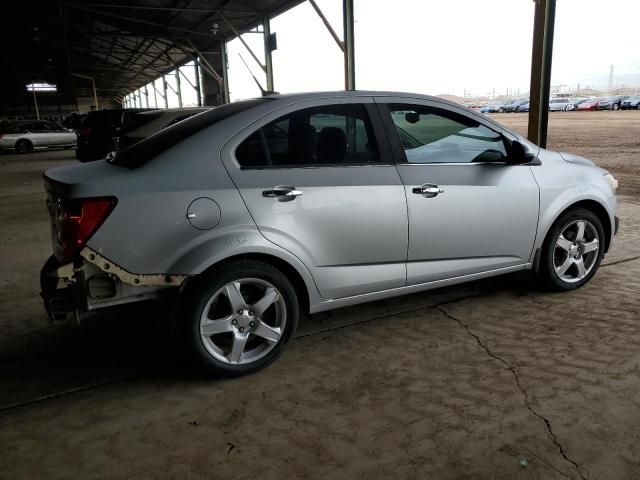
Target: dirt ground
{"points": [[490, 380]]}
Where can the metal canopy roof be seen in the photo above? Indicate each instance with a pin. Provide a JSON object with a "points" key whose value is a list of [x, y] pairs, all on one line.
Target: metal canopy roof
{"points": [[121, 44]]}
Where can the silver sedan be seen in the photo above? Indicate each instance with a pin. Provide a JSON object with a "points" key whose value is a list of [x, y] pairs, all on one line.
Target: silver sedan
{"points": [[25, 136], [252, 214]]}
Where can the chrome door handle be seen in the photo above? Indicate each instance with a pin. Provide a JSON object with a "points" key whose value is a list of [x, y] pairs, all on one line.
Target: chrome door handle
{"points": [[428, 190], [282, 193]]}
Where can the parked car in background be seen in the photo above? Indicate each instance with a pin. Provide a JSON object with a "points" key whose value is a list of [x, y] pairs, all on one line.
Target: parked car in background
{"points": [[148, 123], [245, 217], [524, 107], [631, 103], [515, 105], [612, 103], [98, 130], [590, 104], [26, 136], [573, 104], [498, 107], [73, 120], [558, 104]]}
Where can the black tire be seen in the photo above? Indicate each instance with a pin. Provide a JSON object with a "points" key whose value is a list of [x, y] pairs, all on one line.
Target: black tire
{"points": [[197, 296], [501, 110], [547, 272], [24, 146], [615, 106]]}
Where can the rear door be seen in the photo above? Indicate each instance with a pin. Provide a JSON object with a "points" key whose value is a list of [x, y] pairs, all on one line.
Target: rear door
{"points": [[469, 211], [319, 184], [38, 133], [59, 136]]}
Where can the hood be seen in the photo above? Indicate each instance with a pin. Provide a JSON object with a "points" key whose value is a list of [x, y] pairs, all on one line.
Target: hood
{"points": [[571, 158]]}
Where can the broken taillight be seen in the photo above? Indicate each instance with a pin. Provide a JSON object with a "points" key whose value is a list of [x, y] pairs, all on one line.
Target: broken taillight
{"points": [[78, 219]]}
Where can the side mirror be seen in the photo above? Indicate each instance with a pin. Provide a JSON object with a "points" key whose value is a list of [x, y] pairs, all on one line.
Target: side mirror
{"points": [[519, 154]]}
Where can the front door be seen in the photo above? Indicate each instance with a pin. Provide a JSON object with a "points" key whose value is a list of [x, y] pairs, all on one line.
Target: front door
{"points": [[319, 184], [469, 211]]}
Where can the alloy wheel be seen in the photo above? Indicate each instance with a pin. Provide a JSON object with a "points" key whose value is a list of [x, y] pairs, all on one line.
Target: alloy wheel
{"points": [[576, 251], [243, 321]]}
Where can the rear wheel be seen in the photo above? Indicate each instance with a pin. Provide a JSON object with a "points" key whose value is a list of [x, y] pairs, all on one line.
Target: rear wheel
{"points": [[239, 318], [24, 146], [572, 251], [615, 106]]}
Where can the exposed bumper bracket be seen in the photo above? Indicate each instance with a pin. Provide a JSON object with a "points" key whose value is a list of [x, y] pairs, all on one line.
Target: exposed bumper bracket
{"points": [[127, 277]]}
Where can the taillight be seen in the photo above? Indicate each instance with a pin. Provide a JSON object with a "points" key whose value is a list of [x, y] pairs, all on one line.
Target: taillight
{"points": [[78, 220], [84, 132]]}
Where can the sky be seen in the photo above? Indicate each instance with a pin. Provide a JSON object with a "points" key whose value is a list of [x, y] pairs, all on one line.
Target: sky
{"points": [[472, 47], [481, 47]]}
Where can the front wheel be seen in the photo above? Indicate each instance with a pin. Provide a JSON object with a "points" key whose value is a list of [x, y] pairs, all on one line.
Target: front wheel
{"points": [[615, 106], [239, 318], [572, 251]]}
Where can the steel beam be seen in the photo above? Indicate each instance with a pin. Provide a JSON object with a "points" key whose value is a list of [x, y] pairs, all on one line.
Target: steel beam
{"points": [[327, 24], [178, 88], [225, 71], [541, 59], [349, 53], [237, 34], [164, 88], [196, 68], [268, 61], [146, 95]]}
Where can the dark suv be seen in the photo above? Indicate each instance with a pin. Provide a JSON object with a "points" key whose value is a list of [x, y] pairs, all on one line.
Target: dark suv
{"points": [[97, 132]]}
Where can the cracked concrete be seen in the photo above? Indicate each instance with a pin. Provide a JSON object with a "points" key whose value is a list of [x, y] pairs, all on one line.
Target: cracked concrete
{"points": [[514, 372]]}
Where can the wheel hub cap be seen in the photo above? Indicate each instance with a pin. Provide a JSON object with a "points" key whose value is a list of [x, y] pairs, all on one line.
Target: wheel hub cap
{"points": [[243, 321]]}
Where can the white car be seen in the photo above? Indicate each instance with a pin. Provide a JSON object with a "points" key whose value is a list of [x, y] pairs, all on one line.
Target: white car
{"points": [[25, 136], [558, 104]]}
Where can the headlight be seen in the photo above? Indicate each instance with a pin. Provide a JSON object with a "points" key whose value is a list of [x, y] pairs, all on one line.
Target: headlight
{"points": [[611, 180]]}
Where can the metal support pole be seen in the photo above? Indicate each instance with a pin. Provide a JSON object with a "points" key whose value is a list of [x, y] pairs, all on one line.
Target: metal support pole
{"points": [[178, 88], [266, 28], [225, 72], [196, 67], [155, 94], [164, 88], [541, 58], [95, 95], [349, 54], [35, 101], [146, 95]]}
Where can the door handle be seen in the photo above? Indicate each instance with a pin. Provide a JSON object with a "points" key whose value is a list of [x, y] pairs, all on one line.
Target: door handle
{"points": [[428, 190], [283, 193]]}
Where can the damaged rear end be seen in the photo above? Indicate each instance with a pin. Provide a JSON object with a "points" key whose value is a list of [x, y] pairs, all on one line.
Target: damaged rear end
{"points": [[76, 280]]}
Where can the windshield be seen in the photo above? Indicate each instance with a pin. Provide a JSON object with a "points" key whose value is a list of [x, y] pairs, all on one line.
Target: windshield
{"points": [[140, 153]]}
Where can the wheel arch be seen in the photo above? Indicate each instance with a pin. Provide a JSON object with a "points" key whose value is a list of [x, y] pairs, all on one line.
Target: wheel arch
{"points": [[593, 206], [292, 274]]}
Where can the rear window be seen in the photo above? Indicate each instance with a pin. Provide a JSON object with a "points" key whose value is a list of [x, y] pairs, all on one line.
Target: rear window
{"points": [[141, 152]]}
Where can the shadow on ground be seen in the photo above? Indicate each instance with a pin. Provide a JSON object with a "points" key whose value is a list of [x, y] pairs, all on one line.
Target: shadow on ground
{"points": [[137, 342]]}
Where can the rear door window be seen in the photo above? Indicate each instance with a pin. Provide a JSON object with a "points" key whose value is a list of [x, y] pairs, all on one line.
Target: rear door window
{"points": [[326, 135]]}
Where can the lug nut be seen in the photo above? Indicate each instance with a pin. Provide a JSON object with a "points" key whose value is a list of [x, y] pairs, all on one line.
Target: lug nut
{"points": [[241, 329], [252, 324], [234, 322], [251, 313], [240, 312]]}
